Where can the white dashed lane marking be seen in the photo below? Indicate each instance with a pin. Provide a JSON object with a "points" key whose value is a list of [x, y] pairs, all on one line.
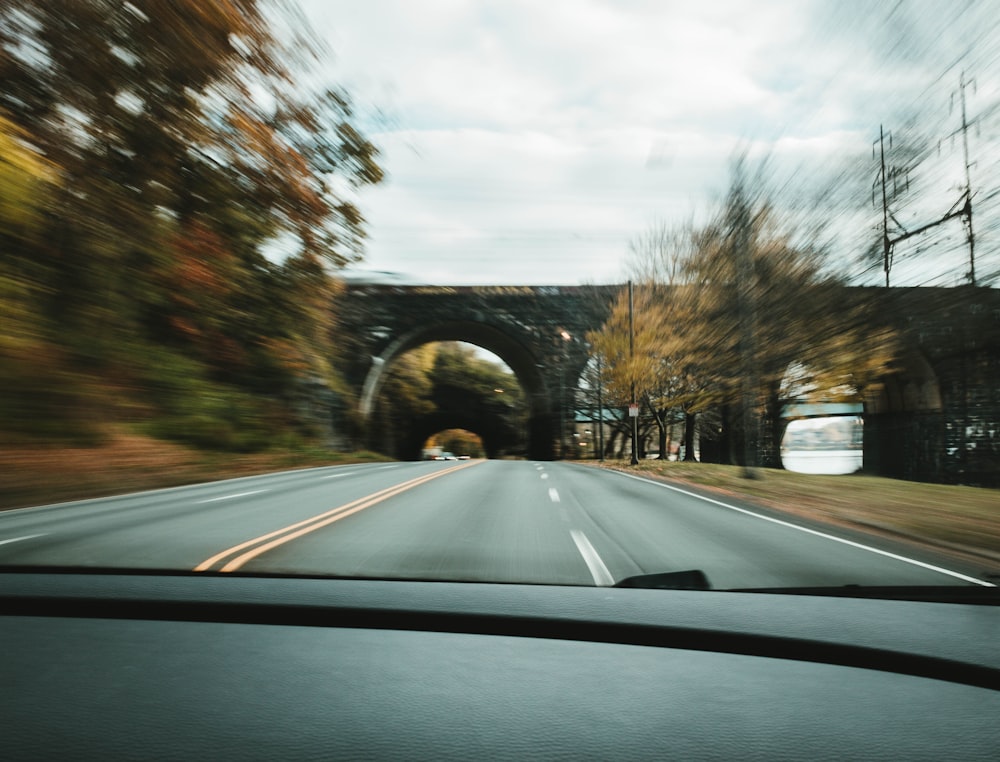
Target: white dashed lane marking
{"points": [[602, 577], [230, 497]]}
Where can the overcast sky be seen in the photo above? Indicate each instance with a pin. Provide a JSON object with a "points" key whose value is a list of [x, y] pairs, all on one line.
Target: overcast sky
{"points": [[527, 141]]}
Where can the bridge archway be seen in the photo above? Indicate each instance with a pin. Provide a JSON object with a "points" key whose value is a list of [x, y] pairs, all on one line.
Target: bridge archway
{"points": [[519, 358], [904, 431], [523, 325]]}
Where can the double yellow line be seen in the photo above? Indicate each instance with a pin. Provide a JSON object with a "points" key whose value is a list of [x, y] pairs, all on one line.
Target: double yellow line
{"points": [[271, 540]]}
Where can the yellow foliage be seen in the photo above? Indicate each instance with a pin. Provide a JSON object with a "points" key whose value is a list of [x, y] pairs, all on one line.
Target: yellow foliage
{"points": [[26, 178]]}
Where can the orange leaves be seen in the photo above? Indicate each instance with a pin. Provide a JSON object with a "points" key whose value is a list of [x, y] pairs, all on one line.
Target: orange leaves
{"points": [[202, 263], [287, 355]]}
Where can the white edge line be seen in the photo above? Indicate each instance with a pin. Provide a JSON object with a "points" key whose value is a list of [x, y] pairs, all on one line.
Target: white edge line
{"points": [[853, 544], [18, 539], [602, 577], [230, 497], [337, 476], [553, 494]]}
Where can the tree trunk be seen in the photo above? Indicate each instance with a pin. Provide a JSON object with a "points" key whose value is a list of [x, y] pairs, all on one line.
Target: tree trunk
{"points": [[616, 444], [689, 426], [731, 441], [774, 429]]}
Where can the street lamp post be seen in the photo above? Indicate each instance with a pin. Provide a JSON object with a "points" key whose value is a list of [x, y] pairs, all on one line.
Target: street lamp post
{"points": [[631, 354], [566, 337], [600, 409]]}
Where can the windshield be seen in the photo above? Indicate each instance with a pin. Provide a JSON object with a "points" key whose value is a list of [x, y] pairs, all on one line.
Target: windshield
{"points": [[656, 294]]}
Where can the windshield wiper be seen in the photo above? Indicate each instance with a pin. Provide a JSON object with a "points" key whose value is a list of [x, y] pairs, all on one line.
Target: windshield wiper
{"points": [[693, 579]]}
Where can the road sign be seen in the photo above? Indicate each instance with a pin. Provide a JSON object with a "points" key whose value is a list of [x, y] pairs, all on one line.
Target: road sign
{"points": [[633, 411]]}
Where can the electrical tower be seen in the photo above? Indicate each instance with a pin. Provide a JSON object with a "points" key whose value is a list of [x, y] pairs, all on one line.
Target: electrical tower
{"points": [[898, 178]]}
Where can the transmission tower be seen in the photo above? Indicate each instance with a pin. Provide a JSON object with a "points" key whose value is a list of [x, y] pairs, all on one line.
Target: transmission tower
{"points": [[898, 177]]}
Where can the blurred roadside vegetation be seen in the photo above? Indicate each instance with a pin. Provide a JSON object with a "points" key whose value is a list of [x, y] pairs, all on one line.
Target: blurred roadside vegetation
{"points": [[177, 193], [128, 461]]}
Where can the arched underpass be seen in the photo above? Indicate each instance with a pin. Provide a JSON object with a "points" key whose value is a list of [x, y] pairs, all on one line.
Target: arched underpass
{"points": [[497, 435], [904, 423], [461, 409]]}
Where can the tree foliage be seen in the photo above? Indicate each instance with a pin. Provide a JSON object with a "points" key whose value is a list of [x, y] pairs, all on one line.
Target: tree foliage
{"points": [[737, 315], [170, 180]]}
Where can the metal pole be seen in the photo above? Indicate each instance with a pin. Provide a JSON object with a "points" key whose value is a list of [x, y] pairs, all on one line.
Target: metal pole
{"points": [[600, 410], [746, 299], [968, 186], [562, 408], [631, 354], [886, 243]]}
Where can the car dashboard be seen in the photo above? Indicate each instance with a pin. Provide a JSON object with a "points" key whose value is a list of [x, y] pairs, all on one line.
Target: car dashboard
{"points": [[175, 666]]}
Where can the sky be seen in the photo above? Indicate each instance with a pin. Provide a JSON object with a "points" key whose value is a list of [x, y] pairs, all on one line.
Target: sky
{"points": [[527, 142]]}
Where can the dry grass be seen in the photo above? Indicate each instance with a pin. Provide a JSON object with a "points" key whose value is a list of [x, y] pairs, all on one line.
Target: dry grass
{"points": [[127, 462], [965, 519]]}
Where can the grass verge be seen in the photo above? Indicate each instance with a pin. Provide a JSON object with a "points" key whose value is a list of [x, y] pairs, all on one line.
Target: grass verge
{"points": [[962, 520], [128, 462]]}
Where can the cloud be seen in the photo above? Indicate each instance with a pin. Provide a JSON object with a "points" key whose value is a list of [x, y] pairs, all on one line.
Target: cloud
{"points": [[530, 140]]}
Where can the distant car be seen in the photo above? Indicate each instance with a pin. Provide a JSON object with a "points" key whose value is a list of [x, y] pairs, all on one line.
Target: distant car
{"points": [[463, 457]]}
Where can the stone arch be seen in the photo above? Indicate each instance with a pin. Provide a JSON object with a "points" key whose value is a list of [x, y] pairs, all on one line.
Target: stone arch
{"points": [[904, 434], [521, 360], [488, 428], [913, 387]]}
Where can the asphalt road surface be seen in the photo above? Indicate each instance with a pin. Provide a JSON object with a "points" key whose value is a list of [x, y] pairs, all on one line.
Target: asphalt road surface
{"points": [[504, 521]]}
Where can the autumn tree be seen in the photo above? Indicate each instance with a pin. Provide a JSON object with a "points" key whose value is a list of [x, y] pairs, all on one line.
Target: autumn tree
{"points": [[671, 379], [458, 442], [740, 316], [768, 305], [685, 383], [199, 193]]}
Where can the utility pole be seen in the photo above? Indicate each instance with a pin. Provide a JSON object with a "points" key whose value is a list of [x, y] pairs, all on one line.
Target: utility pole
{"points": [[747, 306], [631, 354], [600, 410], [971, 275], [968, 183], [566, 337], [886, 245], [746, 295]]}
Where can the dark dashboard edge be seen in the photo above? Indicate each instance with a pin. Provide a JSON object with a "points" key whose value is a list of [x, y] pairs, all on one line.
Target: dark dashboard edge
{"points": [[557, 628]]}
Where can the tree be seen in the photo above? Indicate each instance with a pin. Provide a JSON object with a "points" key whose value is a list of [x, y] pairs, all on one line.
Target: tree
{"points": [[670, 376], [765, 305], [458, 442], [199, 193], [685, 385], [725, 312]]}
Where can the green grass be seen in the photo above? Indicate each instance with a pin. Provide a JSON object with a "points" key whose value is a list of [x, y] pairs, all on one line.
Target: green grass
{"points": [[966, 518]]}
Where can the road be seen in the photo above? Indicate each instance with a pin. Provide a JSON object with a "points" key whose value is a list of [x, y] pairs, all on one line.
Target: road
{"points": [[506, 521]]}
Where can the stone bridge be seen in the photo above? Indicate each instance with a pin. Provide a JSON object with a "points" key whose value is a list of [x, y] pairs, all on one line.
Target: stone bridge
{"points": [[937, 418], [537, 330]]}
